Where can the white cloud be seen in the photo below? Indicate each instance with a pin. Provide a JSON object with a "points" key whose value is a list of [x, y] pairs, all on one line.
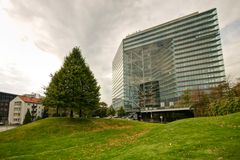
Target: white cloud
{"points": [[23, 67]]}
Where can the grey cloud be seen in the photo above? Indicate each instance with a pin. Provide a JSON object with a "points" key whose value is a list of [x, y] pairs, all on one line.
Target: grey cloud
{"points": [[10, 76], [231, 43], [60, 26], [230, 32], [99, 26]]}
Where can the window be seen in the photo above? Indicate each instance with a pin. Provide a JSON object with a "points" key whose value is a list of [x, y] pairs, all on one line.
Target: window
{"points": [[18, 103], [171, 103], [17, 109], [16, 119], [16, 114], [162, 104]]}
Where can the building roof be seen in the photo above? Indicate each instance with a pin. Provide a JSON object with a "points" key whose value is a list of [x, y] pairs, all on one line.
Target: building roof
{"points": [[30, 99], [167, 109], [6, 93], [167, 23]]}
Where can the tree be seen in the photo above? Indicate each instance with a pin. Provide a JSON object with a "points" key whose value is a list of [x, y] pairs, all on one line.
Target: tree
{"points": [[220, 100], [54, 93], [111, 111], [200, 103], [236, 89], [185, 100], [73, 86], [225, 99], [195, 99], [28, 118], [45, 112], [101, 111], [221, 91], [103, 104], [71, 114], [121, 112]]}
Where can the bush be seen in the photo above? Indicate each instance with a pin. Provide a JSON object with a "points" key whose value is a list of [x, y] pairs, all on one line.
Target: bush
{"points": [[224, 106], [111, 111], [223, 99], [56, 115], [38, 118], [121, 112], [64, 114]]}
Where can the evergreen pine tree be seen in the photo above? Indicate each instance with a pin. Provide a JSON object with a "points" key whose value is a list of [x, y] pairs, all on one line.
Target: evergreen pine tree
{"points": [[28, 118], [74, 86], [54, 93]]}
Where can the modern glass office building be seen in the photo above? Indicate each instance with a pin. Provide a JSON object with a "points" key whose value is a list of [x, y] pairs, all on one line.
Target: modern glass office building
{"points": [[153, 67], [5, 98]]}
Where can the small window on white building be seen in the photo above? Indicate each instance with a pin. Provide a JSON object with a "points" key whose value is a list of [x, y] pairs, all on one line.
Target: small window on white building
{"points": [[18, 103], [17, 109], [171, 103], [16, 119], [16, 114]]}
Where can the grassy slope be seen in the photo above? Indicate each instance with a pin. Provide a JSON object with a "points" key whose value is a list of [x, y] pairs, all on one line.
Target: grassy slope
{"points": [[62, 138]]}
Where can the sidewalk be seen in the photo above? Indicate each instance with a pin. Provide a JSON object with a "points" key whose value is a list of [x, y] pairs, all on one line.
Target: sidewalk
{"points": [[4, 128]]}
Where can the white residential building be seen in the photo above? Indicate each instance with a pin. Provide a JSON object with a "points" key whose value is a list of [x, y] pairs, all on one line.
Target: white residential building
{"points": [[18, 108]]}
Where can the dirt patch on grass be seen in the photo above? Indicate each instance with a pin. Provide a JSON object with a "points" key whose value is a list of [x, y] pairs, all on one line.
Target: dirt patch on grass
{"points": [[125, 139], [101, 126]]}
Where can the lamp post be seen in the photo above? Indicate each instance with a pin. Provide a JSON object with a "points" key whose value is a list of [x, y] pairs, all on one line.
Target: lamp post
{"points": [[161, 118]]}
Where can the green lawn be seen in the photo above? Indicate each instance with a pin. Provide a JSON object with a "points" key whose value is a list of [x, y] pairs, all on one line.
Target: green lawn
{"points": [[63, 138]]}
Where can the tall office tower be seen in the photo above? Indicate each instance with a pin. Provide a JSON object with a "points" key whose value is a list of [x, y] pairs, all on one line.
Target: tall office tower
{"points": [[153, 67]]}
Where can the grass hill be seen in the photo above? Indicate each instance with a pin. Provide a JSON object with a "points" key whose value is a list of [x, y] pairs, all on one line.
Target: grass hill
{"points": [[63, 138]]}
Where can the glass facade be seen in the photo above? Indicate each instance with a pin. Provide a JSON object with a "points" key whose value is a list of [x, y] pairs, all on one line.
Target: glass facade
{"points": [[117, 78], [5, 98], [153, 67]]}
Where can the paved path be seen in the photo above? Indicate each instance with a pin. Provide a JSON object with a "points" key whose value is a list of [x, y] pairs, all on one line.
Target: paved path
{"points": [[4, 128]]}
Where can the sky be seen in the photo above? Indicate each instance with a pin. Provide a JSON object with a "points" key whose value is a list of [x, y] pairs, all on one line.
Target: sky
{"points": [[36, 35]]}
